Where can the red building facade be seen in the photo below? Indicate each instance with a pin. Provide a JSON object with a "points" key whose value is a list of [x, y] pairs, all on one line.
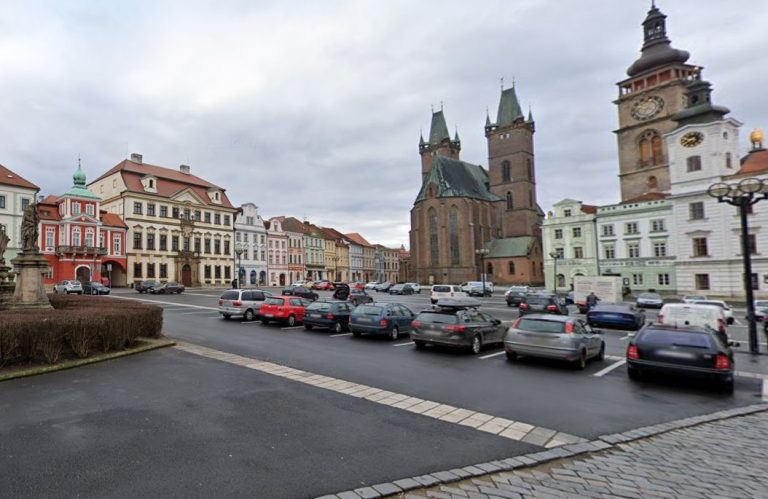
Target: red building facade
{"points": [[79, 240]]}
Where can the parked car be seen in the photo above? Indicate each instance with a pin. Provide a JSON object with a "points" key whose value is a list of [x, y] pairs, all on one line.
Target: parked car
{"points": [[616, 315], [357, 285], [687, 351], [340, 291], [333, 315], [323, 285], [521, 289], [168, 288], [383, 287], [358, 296], [392, 319], [554, 337], [727, 311], [401, 289], [761, 309], [690, 314], [536, 303], [68, 287], [416, 287], [649, 300], [95, 288], [690, 298], [477, 288], [300, 291], [286, 309], [570, 298], [439, 291], [245, 303], [371, 285], [458, 323], [144, 286], [514, 297], [301, 282]]}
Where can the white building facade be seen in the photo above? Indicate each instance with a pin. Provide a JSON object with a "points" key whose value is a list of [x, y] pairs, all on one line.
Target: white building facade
{"points": [[570, 245], [16, 194], [251, 241]]}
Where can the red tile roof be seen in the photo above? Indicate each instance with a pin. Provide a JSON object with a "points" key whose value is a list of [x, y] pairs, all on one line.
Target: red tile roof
{"points": [[112, 220], [589, 209], [169, 181], [754, 162], [7, 177], [648, 196], [357, 238], [48, 209]]}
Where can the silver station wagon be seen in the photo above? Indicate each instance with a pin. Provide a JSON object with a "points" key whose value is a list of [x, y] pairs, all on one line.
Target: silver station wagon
{"points": [[554, 337], [245, 303]]}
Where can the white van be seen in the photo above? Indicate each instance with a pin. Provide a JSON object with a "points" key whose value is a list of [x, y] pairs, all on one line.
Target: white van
{"points": [[445, 291], [475, 288], [688, 314]]}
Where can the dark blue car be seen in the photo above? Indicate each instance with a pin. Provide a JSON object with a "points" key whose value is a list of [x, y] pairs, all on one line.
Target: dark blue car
{"points": [[616, 315], [333, 315], [392, 319]]}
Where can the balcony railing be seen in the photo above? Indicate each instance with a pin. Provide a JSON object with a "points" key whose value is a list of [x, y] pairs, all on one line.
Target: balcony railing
{"points": [[81, 250]]}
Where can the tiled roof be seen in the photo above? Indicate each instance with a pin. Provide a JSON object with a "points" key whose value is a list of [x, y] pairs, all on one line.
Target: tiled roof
{"points": [[169, 181], [510, 247], [48, 209], [358, 239], [112, 220], [589, 209], [754, 162], [455, 178], [7, 177], [648, 196]]}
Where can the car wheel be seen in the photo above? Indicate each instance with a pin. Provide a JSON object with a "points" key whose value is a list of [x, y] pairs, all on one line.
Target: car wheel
{"points": [[509, 304], [226, 316], [394, 334], [477, 344], [420, 344], [433, 301], [248, 315], [511, 356], [337, 327], [581, 363], [356, 334], [291, 320], [634, 373], [265, 321], [601, 353], [729, 320], [94, 292], [307, 327]]}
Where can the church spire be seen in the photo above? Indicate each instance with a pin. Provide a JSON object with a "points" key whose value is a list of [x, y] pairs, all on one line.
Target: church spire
{"points": [[657, 48], [438, 130], [509, 108]]}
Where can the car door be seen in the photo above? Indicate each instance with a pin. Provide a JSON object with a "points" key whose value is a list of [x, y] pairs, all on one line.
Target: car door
{"points": [[591, 340], [407, 318], [495, 329]]}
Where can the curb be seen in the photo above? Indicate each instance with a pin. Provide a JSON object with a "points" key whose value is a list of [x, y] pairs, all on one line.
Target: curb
{"points": [[602, 443], [150, 344]]}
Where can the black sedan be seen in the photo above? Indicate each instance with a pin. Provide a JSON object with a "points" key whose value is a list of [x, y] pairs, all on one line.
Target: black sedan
{"points": [[401, 289], [168, 288], [687, 351], [300, 291], [359, 296], [333, 315], [616, 315], [95, 288]]}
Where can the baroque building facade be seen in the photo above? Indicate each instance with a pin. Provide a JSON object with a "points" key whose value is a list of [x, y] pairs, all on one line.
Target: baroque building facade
{"points": [[251, 241], [463, 209]]}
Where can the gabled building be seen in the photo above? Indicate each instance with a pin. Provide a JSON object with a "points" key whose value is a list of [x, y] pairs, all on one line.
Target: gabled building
{"points": [[79, 239], [366, 254], [570, 243], [180, 226], [16, 194], [341, 258], [277, 250], [251, 241]]}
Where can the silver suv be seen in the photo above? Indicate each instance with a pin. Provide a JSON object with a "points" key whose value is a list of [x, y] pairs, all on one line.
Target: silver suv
{"points": [[68, 287], [245, 303]]}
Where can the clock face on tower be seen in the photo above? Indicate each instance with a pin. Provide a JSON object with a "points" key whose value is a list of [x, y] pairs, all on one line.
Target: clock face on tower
{"points": [[646, 108], [692, 139]]}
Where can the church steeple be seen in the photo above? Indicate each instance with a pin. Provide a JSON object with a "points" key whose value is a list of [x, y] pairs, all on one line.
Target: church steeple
{"points": [[657, 48], [439, 144]]}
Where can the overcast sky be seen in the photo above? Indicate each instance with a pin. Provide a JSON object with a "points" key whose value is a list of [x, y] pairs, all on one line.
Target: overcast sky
{"points": [[313, 108]]}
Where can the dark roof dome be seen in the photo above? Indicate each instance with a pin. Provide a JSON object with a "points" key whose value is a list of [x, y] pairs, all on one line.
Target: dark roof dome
{"points": [[657, 49]]}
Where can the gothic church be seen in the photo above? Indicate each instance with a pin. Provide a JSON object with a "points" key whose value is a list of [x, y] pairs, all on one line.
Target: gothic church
{"points": [[466, 217]]}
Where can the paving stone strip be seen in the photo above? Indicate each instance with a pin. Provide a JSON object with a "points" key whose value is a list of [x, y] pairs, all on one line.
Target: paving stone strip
{"points": [[716, 455], [505, 428]]}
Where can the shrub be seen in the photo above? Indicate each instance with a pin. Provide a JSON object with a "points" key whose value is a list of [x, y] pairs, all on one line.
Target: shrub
{"points": [[81, 324]]}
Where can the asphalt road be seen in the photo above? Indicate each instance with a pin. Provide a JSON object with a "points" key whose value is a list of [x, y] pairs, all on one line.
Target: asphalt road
{"points": [[170, 423]]}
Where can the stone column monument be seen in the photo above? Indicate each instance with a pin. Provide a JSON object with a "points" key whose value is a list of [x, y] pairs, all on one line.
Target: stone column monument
{"points": [[6, 286], [29, 266]]}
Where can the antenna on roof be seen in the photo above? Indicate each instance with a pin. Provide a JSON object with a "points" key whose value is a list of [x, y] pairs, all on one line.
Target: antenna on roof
{"points": [[441, 105]]}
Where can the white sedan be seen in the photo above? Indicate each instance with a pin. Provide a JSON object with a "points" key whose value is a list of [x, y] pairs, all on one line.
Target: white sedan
{"points": [[415, 285], [371, 285]]}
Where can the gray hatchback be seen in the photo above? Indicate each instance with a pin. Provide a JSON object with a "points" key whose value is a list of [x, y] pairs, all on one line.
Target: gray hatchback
{"points": [[554, 337], [458, 323]]}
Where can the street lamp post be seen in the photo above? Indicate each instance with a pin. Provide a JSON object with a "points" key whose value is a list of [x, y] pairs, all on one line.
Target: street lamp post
{"points": [[555, 257], [239, 252], [482, 252], [743, 195]]}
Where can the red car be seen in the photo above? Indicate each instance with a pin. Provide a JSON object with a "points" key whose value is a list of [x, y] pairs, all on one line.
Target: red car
{"points": [[286, 309], [323, 285], [358, 285]]}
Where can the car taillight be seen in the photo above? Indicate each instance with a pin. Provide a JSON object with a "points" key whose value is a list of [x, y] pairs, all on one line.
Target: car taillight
{"points": [[330, 317], [632, 352], [722, 362], [383, 323], [416, 324], [523, 306], [551, 308], [517, 321], [237, 303], [455, 329], [569, 328], [221, 302]]}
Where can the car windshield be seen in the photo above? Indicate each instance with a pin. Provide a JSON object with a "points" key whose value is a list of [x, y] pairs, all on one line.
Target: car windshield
{"points": [[652, 296], [441, 289], [274, 301], [437, 318], [676, 338], [537, 300], [368, 310], [540, 326], [319, 306]]}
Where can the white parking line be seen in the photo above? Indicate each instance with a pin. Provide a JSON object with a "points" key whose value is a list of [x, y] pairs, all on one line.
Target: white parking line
{"points": [[491, 355], [158, 302], [342, 334], [402, 344], [291, 327], [765, 390], [610, 368]]}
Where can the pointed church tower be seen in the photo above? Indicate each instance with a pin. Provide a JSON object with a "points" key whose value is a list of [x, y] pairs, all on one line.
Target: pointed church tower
{"points": [[511, 166], [648, 101], [440, 143]]}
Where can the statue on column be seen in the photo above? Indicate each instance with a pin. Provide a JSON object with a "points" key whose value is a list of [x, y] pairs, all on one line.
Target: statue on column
{"points": [[4, 240], [30, 230]]}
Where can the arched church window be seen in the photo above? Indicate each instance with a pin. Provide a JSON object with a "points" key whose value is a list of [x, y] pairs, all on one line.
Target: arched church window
{"points": [[653, 183], [650, 148], [506, 171], [453, 232], [510, 201], [656, 149], [433, 242]]}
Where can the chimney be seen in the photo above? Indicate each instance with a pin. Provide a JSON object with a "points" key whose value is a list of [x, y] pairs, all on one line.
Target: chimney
{"points": [[184, 169], [136, 158]]}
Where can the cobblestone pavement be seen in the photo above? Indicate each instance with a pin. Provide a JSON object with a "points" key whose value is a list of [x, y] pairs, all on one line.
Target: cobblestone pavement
{"points": [[723, 459]]}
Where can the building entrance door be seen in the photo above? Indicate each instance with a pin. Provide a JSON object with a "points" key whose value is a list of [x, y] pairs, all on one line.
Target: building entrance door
{"points": [[186, 275], [83, 274]]}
